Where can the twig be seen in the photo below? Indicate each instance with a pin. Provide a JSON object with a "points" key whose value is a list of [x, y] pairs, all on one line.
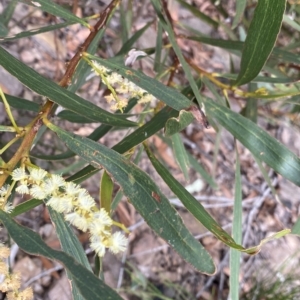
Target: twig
{"points": [[42, 274]]}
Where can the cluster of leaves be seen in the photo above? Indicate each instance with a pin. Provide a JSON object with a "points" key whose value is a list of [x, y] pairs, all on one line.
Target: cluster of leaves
{"points": [[155, 208]]}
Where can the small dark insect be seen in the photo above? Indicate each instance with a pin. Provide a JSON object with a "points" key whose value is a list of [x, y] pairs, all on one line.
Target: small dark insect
{"points": [[155, 196], [199, 115]]}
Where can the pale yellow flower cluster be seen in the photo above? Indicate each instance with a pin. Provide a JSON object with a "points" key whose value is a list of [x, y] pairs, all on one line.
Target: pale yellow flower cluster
{"points": [[4, 205], [78, 207], [125, 88], [10, 282]]}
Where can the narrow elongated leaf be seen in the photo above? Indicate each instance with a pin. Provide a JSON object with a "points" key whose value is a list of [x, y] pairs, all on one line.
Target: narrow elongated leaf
{"points": [[73, 117], [158, 48], [83, 70], [57, 94], [8, 12], [144, 195], [197, 13], [251, 106], [68, 240], [54, 9], [144, 132], [25, 206], [124, 28], [296, 227], [32, 243], [20, 103], [70, 245], [240, 7], [261, 38], [166, 23], [128, 44], [198, 168], [191, 204], [237, 46], [35, 31], [106, 191], [3, 29], [291, 22], [198, 211], [180, 154], [262, 78], [235, 255], [260, 143]]}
